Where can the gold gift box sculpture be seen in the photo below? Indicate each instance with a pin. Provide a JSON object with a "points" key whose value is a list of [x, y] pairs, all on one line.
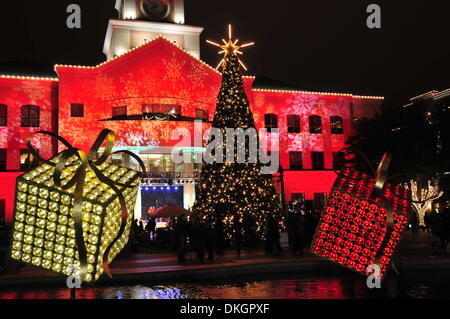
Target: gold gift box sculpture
{"points": [[44, 230]]}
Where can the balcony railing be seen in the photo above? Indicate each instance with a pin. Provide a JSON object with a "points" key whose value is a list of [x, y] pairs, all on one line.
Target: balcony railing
{"points": [[172, 175]]}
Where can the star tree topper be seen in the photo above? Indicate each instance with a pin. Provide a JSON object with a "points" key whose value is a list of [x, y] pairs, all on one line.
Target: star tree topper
{"points": [[230, 47]]}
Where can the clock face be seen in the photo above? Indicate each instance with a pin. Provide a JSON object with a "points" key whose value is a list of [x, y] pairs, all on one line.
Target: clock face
{"points": [[156, 10]]}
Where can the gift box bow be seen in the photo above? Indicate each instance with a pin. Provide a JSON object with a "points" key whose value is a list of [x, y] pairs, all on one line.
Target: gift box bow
{"points": [[87, 161], [373, 189]]}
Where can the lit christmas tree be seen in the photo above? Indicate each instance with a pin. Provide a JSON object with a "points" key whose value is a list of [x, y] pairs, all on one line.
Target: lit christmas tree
{"points": [[229, 189]]}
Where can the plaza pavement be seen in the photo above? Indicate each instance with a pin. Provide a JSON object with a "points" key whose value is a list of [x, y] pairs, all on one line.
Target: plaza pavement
{"points": [[416, 252]]}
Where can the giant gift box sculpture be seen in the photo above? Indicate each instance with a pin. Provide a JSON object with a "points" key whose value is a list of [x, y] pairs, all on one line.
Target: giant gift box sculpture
{"points": [[71, 212], [363, 221]]}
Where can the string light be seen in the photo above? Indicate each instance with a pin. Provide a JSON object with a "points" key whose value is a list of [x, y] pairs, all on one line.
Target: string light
{"points": [[230, 47], [423, 197], [321, 93], [31, 78], [228, 191]]}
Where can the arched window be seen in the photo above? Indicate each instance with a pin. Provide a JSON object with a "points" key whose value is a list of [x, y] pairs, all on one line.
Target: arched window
{"points": [[30, 116], [315, 124], [271, 122], [337, 125], [293, 124], [3, 115]]}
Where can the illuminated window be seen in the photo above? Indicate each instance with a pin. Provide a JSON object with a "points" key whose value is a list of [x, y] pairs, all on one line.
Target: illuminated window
{"points": [[338, 160], [337, 125], [119, 112], [293, 124], [27, 160], [30, 116], [2, 159], [315, 124], [298, 196], [271, 121], [318, 162], [161, 109], [296, 161], [201, 115], [3, 115], [77, 110], [320, 200]]}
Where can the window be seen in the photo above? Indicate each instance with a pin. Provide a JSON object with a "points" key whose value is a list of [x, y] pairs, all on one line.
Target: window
{"points": [[27, 160], [293, 124], [201, 115], [161, 109], [2, 159], [315, 125], [30, 116], [298, 196], [338, 160], [119, 112], [296, 160], [147, 108], [77, 110], [3, 115], [271, 121], [320, 200], [337, 125], [317, 160]]}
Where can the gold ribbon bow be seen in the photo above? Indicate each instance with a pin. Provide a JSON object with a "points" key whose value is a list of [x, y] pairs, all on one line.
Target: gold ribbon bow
{"points": [[380, 181], [92, 160]]}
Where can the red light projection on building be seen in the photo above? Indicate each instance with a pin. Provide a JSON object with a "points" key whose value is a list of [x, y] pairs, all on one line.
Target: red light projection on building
{"points": [[118, 93], [353, 229]]}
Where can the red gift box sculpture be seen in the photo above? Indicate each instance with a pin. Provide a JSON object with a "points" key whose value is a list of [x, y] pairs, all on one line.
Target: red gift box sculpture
{"points": [[363, 221]]}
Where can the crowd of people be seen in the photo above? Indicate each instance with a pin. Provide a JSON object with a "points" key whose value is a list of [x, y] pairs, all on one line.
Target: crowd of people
{"points": [[194, 238]]}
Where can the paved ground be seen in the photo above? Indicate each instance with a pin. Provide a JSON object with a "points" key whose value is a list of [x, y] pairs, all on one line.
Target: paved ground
{"points": [[415, 253]]}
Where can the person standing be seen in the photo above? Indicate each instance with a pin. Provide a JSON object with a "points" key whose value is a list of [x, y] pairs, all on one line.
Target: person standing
{"points": [[273, 236], [210, 239], [298, 233], [181, 233], [219, 233], [237, 234]]}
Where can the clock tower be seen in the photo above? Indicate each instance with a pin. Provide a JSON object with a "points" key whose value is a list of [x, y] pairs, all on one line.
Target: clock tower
{"points": [[142, 20]]}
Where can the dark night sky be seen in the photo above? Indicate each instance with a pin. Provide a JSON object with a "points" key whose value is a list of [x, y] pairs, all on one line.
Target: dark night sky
{"points": [[321, 45]]}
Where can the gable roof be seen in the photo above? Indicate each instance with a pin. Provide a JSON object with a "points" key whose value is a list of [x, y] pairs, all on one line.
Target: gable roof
{"points": [[137, 50]]}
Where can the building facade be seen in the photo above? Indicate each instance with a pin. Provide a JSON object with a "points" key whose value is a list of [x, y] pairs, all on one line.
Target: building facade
{"points": [[154, 88]]}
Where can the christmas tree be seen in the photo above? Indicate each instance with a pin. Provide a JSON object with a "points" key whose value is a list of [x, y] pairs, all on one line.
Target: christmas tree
{"points": [[235, 189]]}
